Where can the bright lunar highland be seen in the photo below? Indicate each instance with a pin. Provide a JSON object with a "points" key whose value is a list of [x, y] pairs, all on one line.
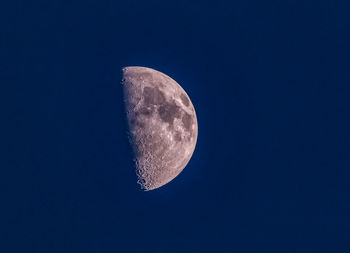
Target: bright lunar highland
{"points": [[162, 123]]}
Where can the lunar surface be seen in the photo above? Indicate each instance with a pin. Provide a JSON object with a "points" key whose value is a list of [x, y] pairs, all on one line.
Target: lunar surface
{"points": [[162, 123]]}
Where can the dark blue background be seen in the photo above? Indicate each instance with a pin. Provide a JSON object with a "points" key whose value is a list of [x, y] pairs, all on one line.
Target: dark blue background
{"points": [[270, 84]]}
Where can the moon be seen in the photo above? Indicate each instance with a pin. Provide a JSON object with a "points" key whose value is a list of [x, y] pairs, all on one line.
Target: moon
{"points": [[163, 126]]}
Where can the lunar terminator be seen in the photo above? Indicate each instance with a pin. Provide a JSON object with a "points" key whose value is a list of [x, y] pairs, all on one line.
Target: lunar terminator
{"points": [[162, 123]]}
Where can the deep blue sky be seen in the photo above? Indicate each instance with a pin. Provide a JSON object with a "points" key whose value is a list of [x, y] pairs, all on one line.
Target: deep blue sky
{"points": [[271, 86]]}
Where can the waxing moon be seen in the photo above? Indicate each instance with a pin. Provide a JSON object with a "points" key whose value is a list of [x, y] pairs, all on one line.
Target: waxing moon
{"points": [[162, 123]]}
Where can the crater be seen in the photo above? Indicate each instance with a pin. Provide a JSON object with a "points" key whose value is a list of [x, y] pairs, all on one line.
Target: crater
{"points": [[140, 124], [184, 99], [145, 110], [134, 122]]}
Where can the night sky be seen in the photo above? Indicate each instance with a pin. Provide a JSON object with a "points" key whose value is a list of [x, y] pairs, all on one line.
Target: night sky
{"points": [[270, 84]]}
